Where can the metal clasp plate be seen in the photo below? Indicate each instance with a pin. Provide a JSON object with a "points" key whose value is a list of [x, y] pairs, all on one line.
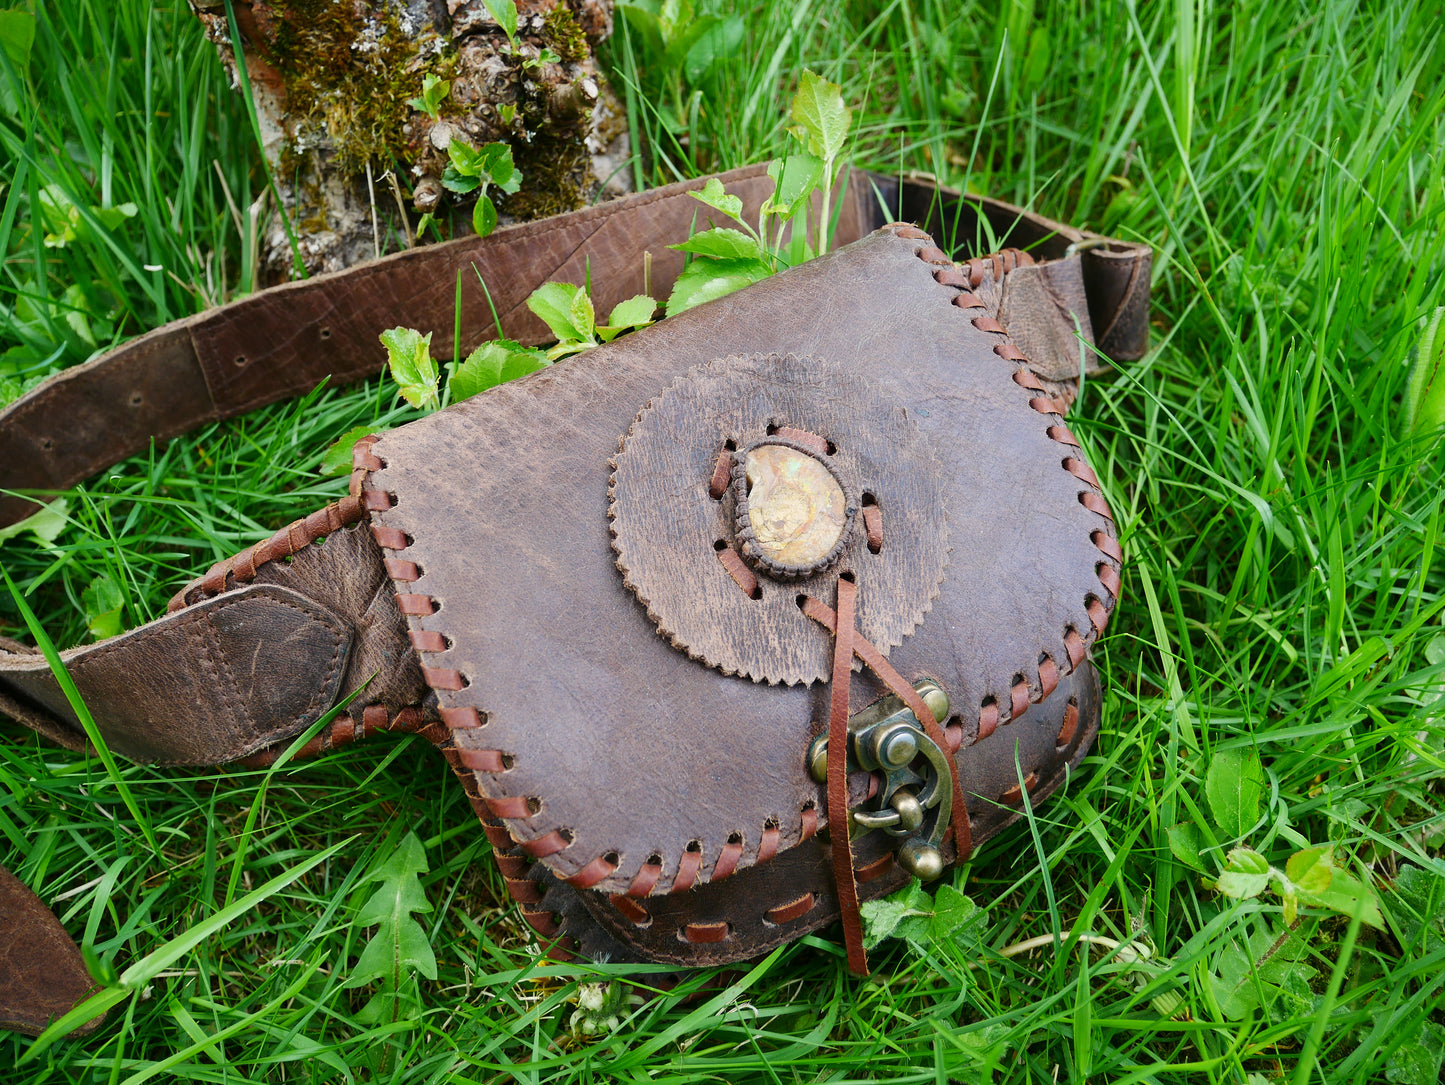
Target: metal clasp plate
{"points": [[915, 802]]}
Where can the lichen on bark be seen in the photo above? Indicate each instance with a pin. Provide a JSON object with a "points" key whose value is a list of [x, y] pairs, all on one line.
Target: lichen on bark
{"points": [[331, 83]]}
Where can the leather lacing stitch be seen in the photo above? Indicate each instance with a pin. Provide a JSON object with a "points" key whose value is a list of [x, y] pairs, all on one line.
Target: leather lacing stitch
{"points": [[966, 278], [291, 539], [347, 729], [514, 858]]}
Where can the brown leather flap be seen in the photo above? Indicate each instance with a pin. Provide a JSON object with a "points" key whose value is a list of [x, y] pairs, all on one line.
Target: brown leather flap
{"points": [[612, 755]]}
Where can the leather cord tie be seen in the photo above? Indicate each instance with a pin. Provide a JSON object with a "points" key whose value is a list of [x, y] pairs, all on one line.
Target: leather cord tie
{"points": [[847, 642], [839, 829]]}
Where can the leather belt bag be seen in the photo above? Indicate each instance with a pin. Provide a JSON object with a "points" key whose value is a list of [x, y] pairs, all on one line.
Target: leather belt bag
{"points": [[669, 606]]}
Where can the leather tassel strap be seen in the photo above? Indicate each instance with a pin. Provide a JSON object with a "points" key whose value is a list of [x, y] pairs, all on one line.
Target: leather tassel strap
{"points": [[838, 823]]}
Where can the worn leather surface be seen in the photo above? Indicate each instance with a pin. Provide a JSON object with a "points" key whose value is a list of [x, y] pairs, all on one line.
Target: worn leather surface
{"points": [[198, 687], [754, 904], [1115, 273], [41, 973], [611, 746]]}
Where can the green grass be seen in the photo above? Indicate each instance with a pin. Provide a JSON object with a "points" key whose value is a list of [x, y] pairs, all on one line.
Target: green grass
{"points": [[1283, 584]]}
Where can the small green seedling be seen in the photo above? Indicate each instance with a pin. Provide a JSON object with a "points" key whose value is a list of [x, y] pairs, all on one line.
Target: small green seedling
{"points": [[66, 223], [433, 91], [504, 13], [567, 310], [725, 259], [103, 603], [474, 170], [1234, 788], [546, 56], [408, 355], [399, 950]]}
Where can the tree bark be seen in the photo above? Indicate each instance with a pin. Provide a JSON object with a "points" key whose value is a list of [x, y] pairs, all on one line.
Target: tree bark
{"points": [[355, 166]]}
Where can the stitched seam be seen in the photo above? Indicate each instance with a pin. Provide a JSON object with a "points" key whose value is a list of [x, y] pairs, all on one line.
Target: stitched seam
{"points": [[442, 680], [996, 266], [224, 575]]}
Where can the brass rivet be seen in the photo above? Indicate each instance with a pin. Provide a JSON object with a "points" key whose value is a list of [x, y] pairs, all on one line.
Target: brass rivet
{"points": [[899, 748], [923, 861], [818, 759], [936, 700]]}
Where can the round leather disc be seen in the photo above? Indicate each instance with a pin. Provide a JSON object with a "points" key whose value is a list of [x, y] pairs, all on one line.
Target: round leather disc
{"points": [[668, 530]]}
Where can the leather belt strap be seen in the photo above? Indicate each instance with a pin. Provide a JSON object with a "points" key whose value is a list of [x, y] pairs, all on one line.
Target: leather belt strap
{"points": [[228, 675]]}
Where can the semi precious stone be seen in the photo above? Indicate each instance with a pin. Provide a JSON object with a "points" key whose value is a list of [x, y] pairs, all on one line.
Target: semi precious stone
{"points": [[795, 506]]}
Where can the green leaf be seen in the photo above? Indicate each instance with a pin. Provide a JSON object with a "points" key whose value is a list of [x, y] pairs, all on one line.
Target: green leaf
{"points": [[1420, 1060], [954, 914], [102, 602], [681, 29], [17, 35], [409, 356], [484, 216], [337, 459], [1234, 786], [1418, 906], [1038, 59], [453, 180], [1246, 874], [705, 280], [504, 12], [795, 179], [715, 196], [635, 312], [1425, 390], [723, 243], [494, 161], [521, 362], [492, 364], [480, 370], [1347, 895], [73, 309], [399, 945], [1310, 870], [718, 39], [546, 56], [1187, 844], [820, 119], [553, 303], [584, 317], [646, 29], [45, 524], [882, 917], [1260, 973], [433, 90], [472, 167]]}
